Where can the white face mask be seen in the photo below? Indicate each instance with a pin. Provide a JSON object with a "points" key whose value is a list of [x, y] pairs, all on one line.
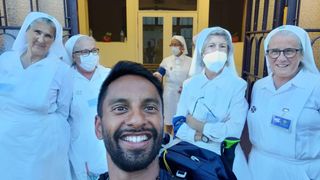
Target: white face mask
{"points": [[89, 63], [215, 61], [175, 50]]}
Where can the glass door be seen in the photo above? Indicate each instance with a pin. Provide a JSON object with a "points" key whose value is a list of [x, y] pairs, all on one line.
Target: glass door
{"points": [[156, 29], [152, 40], [184, 26]]}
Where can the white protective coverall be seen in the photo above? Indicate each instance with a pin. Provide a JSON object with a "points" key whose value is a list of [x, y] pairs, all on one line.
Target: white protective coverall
{"points": [[219, 102], [87, 153], [177, 69], [292, 153], [34, 106]]}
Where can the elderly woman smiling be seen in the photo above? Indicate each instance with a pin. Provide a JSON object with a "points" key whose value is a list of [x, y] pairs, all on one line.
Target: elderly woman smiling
{"points": [[284, 118], [35, 95]]}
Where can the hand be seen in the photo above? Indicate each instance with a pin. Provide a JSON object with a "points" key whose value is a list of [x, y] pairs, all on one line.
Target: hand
{"points": [[177, 122], [158, 76], [195, 124]]}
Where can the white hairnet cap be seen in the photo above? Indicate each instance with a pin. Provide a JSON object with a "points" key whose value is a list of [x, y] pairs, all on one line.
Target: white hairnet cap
{"points": [[308, 59], [56, 49], [196, 65], [70, 45], [183, 42]]}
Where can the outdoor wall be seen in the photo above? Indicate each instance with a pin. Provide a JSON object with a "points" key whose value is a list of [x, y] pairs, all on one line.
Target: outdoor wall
{"points": [[111, 52], [18, 9], [310, 19], [16, 12], [238, 55]]}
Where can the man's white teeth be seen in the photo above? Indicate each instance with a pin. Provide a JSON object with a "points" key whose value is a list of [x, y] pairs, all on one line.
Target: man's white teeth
{"points": [[136, 139]]}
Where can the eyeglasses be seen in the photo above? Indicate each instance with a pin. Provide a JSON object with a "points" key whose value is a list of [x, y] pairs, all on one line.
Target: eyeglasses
{"points": [[86, 52], [288, 52]]}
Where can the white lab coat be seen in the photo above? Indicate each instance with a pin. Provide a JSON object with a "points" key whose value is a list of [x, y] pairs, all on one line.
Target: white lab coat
{"points": [[280, 153], [223, 96], [86, 151], [34, 106], [177, 69]]}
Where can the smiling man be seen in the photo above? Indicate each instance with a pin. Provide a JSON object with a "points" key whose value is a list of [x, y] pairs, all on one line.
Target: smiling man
{"points": [[130, 121]]}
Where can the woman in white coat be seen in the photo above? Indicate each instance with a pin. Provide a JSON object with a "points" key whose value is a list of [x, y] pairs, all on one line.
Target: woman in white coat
{"points": [[212, 105], [87, 153], [174, 70], [35, 95], [284, 117]]}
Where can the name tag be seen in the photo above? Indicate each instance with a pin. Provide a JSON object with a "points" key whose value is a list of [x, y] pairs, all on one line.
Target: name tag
{"points": [[281, 122], [93, 102]]}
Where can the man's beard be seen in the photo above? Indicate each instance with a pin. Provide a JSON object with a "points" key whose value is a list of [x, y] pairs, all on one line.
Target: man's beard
{"points": [[132, 160]]}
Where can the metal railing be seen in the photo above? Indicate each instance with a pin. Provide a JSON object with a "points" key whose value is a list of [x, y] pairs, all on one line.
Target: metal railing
{"points": [[8, 33], [254, 66]]}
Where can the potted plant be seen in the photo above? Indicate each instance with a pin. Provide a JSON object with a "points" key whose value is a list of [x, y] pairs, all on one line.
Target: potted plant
{"points": [[107, 37], [235, 37]]}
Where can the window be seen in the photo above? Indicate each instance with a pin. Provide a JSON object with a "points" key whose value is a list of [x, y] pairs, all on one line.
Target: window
{"points": [[178, 5], [228, 15], [152, 40], [183, 26], [108, 20]]}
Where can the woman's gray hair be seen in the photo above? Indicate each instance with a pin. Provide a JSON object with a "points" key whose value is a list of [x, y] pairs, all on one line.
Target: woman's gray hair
{"points": [[77, 46], [289, 34], [217, 33], [82, 38], [44, 20]]}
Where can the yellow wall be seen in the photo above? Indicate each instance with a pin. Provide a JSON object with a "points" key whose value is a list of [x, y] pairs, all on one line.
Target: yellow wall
{"points": [[111, 52], [203, 14], [83, 16], [310, 19], [238, 52]]}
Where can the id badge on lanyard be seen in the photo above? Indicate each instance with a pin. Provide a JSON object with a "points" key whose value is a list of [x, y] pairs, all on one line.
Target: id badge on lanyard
{"points": [[282, 121]]}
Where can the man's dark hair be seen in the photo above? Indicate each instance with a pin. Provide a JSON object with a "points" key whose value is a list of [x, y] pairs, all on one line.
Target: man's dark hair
{"points": [[123, 68]]}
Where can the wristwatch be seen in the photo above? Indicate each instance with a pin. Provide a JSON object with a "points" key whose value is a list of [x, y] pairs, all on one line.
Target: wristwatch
{"points": [[205, 139]]}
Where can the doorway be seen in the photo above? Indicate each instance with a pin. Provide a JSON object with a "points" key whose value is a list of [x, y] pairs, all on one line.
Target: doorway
{"points": [[156, 29]]}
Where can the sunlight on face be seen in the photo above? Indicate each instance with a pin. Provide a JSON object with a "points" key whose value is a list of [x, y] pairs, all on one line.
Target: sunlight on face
{"points": [[132, 122], [40, 37], [282, 66]]}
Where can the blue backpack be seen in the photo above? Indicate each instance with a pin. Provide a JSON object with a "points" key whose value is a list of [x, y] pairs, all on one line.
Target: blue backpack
{"points": [[187, 161]]}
